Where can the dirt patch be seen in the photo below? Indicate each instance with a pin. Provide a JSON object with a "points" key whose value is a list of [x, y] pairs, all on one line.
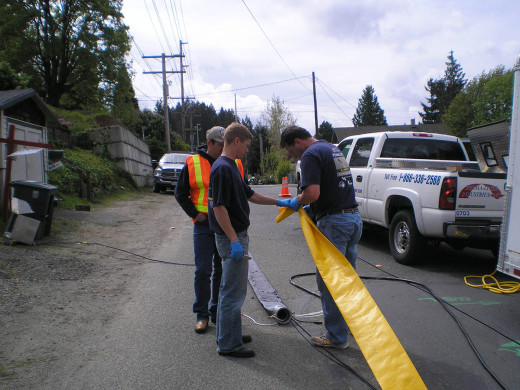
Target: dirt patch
{"points": [[58, 292]]}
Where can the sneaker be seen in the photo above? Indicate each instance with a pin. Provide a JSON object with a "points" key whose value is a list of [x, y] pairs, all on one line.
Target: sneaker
{"points": [[323, 341]]}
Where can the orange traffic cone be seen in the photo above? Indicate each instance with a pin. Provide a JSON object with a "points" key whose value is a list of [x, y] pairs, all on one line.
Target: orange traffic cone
{"points": [[285, 187]]}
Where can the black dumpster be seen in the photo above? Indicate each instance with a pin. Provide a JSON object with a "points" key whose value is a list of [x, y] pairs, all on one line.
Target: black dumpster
{"points": [[40, 197]]}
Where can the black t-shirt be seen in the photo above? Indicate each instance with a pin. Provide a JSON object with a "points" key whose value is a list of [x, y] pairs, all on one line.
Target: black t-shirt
{"points": [[227, 188], [324, 164]]}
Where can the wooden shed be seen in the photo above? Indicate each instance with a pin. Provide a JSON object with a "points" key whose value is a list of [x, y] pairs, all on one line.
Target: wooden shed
{"points": [[24, 123]]}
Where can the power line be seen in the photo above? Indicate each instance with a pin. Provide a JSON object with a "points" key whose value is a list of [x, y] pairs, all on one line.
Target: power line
{"points": [[322, 82], [253, 86], [153, 24], [271, 43], [330, 97], [162, 26]]}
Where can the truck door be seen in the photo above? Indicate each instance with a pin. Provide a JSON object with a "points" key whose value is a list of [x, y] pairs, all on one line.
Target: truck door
{"points": [[358, 163]]}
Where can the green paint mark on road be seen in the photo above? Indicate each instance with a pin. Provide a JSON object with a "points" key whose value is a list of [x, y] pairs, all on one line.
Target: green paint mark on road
{"points": [[513, 347]]}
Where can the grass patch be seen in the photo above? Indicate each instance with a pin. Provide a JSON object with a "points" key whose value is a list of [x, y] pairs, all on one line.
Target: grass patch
{"points": [[7, 372]]}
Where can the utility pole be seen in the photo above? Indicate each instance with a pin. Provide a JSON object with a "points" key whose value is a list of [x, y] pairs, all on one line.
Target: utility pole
{"points": [[197, 129], [191, 130], [236, 116], [165, 91], [183, 100], [183, 118], [315, 104]]}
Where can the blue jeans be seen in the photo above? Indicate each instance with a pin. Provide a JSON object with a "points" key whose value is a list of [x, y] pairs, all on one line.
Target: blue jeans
{"points": [[344, 232], [207, 262], [233, 290]]}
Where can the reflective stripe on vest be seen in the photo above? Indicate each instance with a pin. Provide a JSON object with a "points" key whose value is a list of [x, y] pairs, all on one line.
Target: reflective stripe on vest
{"points": [[199, 169], [240, 167]]}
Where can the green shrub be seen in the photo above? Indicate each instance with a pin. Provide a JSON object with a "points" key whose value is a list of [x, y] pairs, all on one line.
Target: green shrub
{"points": [[283, 169], [105, 175]]}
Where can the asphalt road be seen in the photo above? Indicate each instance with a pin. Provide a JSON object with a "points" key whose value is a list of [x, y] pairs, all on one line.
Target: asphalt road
{"points": [[152, 345]]}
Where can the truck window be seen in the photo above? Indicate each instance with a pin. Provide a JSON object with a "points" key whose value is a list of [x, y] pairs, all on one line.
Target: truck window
{"points": [[422, 149], [344, 146], [361, 152]]}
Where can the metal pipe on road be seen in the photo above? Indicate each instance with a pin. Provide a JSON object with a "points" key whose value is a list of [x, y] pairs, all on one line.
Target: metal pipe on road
{"points": [[267, 294]]}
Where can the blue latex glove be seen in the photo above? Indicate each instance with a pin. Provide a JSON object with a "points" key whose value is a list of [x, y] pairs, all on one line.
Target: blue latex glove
{"points": [[236, 250], [292, 203]]}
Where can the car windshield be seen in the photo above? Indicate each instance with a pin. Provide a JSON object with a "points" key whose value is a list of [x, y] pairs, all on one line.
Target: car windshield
{"points": [[174, 158]]}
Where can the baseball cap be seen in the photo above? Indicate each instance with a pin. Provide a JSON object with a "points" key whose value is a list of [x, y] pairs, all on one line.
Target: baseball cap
{"points": [[216, 133]]}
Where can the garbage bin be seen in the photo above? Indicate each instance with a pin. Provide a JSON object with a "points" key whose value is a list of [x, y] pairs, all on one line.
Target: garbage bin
{"points": [[40, 197]]}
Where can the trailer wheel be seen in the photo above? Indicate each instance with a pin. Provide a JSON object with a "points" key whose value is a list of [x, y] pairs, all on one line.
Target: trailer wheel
{"points": [[406, 243]]}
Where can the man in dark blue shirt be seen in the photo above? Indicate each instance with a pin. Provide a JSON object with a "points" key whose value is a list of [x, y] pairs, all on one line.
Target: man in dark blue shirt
{"points": [[327, 187], [229, 197]]}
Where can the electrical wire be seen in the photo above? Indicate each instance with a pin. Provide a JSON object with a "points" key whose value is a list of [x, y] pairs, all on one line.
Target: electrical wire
{"points": [[68, 244], [270, 42], [446, 306], [328, 354], [507, 287], [330, 97], [253, 86]]}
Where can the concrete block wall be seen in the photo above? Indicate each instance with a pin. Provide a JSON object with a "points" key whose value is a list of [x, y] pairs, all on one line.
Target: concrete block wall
{"points": [[130, 153]]}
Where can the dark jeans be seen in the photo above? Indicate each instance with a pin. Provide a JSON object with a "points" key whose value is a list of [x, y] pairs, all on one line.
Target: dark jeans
{"points": [[207, 262]]}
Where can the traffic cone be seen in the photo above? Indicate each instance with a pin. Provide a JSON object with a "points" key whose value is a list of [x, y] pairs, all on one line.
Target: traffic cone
{"points": [[285, 187]]}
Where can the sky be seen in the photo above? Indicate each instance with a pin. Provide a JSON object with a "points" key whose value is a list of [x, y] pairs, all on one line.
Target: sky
{"points": [[242, 53]]}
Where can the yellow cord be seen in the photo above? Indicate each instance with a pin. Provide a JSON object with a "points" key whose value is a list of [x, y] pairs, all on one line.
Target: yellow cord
{"points": [[509, 287]]}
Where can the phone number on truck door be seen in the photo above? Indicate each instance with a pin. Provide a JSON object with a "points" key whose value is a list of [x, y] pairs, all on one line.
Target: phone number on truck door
{"points": [[419, 178]]}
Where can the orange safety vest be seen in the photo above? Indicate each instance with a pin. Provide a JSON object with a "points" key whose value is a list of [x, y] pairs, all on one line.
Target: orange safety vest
{"points": [[198, 170]]}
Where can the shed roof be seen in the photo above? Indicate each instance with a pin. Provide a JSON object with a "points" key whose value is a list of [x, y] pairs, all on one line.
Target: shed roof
{"points": [[12, 97]]}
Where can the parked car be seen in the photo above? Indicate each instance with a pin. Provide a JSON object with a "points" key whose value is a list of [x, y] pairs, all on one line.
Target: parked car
{"points": [[167, 171]]}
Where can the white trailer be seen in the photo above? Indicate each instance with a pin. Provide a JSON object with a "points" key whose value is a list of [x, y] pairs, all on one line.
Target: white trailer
{"points": [[509, 255]]}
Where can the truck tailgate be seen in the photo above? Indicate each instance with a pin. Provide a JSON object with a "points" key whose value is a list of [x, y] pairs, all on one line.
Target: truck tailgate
{"points": [[480, 195]]}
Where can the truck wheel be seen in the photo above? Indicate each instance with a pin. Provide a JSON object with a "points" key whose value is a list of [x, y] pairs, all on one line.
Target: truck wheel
{"points": [[406, 243], [156, 188]]}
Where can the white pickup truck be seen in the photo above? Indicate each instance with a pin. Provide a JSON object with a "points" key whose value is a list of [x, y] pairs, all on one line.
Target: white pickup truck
{"points": [[421, 186]]}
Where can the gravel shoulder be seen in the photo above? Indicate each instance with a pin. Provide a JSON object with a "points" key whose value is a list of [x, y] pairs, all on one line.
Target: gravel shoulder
{"points": [[66, 288]]}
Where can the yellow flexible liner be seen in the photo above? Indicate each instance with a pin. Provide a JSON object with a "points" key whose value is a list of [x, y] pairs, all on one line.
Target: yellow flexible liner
{"points": [[383, 352]]}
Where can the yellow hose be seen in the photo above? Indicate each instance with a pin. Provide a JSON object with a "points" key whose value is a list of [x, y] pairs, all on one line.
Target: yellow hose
{"points": [[508, 287]]}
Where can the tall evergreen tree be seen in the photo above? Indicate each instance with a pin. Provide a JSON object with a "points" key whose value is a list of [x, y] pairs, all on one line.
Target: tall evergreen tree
{"points": [[326, 132], [368, 111], [433, 110], [443, 91], [454, 80]]}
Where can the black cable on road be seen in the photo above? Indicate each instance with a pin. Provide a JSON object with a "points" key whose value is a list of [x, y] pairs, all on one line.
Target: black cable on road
{"points": [[68, 245]]}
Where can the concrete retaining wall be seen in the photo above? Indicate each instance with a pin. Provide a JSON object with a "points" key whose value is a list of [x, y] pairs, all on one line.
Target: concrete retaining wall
{"points": [[130, 153]]}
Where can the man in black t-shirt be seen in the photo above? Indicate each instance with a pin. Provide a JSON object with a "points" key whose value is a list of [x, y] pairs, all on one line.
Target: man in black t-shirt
{"points": [[229, 197], [327, 187]]}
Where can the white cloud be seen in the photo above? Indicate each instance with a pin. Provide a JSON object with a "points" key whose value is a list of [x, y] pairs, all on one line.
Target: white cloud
{"points": [[395, 46]]}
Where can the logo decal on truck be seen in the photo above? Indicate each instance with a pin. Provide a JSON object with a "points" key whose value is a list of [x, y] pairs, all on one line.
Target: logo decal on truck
{"points": [[481, 191]]}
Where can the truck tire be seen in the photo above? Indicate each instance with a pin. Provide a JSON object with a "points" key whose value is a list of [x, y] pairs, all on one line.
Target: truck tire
{"points": [[156, 188], [406, 243]]}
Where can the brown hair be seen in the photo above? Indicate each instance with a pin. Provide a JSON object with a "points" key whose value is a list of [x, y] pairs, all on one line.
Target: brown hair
{"points": [[234, 130], [290, 133]]}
